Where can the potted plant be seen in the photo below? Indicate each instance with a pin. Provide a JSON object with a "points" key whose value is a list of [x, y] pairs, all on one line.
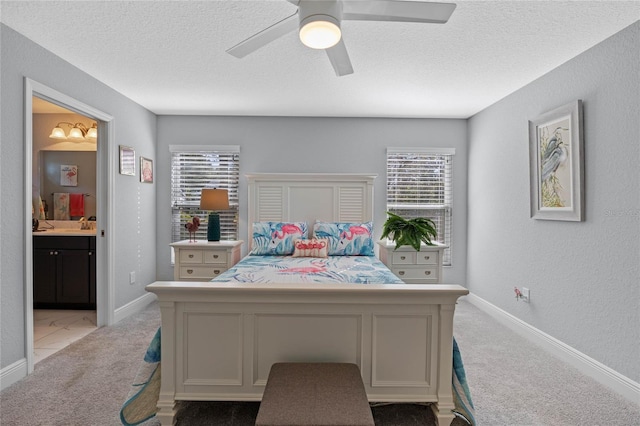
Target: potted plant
{"points": [[411, 232]]}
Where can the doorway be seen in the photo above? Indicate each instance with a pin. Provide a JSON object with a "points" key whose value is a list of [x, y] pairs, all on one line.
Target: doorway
{"points": [[64, 205], [104, 292]]}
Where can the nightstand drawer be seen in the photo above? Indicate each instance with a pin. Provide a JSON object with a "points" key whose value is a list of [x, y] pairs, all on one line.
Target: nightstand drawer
{"points": [[204, 273], [427, 258], [215, 257], [190, 256], [416, 273], [204, 260], [411, 266], [403, 258]]}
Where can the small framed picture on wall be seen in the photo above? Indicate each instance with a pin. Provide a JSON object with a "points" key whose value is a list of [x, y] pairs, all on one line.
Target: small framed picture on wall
{"points": [[146, 170], [127, 161], [68, 175]]}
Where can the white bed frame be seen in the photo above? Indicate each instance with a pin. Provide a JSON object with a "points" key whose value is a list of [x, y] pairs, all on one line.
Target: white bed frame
{"points": [[219, 340]]}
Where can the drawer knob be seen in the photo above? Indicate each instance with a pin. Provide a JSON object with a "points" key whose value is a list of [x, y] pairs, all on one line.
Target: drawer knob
{"points": [[190, 256], [50, 253], [403, 257], [400, 272], [217, 271], [189, 271], [215, 256], [427, 257], [90, 253], [427, 272]]}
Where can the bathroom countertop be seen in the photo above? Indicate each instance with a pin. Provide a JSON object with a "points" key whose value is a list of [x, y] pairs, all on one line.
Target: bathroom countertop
{"points": [[57, 232]]}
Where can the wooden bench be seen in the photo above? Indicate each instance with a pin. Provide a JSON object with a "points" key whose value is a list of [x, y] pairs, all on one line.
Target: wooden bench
{"points": [[314, 394]]}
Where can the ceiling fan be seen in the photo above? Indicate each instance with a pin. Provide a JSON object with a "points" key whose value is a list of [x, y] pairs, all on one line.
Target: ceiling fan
{"points": [[319, 21]]}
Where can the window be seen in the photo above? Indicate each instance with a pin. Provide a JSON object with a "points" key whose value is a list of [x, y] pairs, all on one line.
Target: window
{"points": [[419, 182], [194, 168]]}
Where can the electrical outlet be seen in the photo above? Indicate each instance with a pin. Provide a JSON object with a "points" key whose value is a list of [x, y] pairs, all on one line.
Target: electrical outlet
{"points": [[132, 277], [526, 295]]}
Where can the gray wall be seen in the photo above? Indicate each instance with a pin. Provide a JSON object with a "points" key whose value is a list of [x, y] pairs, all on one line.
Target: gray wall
{"points": [[301, 144], [134, 204], [583, 276]]}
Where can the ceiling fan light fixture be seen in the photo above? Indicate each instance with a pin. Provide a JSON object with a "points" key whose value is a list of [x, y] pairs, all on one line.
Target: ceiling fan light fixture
{"points": [[320, 31]]}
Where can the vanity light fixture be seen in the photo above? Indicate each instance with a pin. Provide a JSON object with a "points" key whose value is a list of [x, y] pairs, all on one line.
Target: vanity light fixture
{"points": [[78, 132]]}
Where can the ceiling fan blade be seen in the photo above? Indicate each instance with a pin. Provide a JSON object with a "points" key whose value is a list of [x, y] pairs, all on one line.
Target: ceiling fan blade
{"points": [[340, 59], [397, 11], [265, 36]]}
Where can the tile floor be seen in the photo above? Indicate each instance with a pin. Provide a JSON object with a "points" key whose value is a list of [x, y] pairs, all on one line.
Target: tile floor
{"points": [[55, 329]]}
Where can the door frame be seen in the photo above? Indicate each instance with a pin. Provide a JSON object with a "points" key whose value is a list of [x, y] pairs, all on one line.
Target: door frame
{"points": [[105, 178]]}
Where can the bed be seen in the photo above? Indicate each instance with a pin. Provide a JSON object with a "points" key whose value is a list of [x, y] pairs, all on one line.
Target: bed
{"points": [[220, 338]]}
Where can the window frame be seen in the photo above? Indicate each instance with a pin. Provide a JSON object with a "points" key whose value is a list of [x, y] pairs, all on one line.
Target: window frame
{"points": [[440, 189], [187, 206]]}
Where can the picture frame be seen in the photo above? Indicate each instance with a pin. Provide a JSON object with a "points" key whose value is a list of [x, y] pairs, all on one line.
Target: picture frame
{"points": [[127, 160], [146, 170], [556, 163], [68, 175]]}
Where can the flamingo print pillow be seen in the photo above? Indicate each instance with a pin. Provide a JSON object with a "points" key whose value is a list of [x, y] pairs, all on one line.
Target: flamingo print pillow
{"points": [[345, 238], [276, 238]]}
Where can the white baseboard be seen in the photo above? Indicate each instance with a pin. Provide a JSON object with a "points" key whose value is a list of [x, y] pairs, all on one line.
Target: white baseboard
{"points": [[133, 307], [13, 373], [587, 365]]}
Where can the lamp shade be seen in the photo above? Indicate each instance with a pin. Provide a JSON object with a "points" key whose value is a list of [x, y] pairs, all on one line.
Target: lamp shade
{"points": [[58, 133], [214, 199], [76, 133], [92, 133]]}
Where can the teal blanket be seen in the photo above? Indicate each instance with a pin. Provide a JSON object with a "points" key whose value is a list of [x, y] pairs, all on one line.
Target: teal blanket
{"points": [[140, 405], [461, 395], [141, 402]]}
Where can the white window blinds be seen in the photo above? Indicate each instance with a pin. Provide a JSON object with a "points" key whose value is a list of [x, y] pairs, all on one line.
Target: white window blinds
{"points": [[419, 184], [194, 168]]}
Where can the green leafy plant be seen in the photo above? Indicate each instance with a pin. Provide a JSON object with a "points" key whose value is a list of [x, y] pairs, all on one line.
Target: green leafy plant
{"points": [[411, 232]]}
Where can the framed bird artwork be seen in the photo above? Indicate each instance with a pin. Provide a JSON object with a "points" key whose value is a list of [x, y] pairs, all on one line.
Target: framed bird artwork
{"points": [[556, 162]]}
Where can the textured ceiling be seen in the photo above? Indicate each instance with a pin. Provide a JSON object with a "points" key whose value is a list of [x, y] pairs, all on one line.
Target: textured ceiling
{"points": [[169, 56]]}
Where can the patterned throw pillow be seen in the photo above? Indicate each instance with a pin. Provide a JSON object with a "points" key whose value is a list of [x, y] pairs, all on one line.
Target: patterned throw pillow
{"points": [[311, 248], [345, 238], [276, 238]]}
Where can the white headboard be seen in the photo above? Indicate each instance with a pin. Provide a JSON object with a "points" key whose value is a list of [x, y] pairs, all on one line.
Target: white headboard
{"points": [[307, 197]]}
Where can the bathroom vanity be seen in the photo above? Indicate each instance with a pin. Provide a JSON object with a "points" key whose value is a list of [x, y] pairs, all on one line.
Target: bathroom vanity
{"points": [[64, 269]]}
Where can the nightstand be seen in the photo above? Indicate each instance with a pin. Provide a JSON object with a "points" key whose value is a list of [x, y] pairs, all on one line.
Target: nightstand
{"points": [[204, 260], [413, 267]]}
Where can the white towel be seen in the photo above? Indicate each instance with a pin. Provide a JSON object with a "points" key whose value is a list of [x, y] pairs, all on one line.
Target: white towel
{"points": [[41, 214], [61, 206]]}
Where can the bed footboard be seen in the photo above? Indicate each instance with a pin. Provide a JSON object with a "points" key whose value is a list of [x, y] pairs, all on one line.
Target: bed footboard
{"points": [[219, 340]]}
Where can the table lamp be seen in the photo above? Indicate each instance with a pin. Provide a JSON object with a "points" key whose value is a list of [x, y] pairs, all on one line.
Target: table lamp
{"points": [[213, 200]]}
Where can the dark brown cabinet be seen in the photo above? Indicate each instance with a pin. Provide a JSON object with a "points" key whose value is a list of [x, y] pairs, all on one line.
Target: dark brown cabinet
{"points": [[64, 272]]}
